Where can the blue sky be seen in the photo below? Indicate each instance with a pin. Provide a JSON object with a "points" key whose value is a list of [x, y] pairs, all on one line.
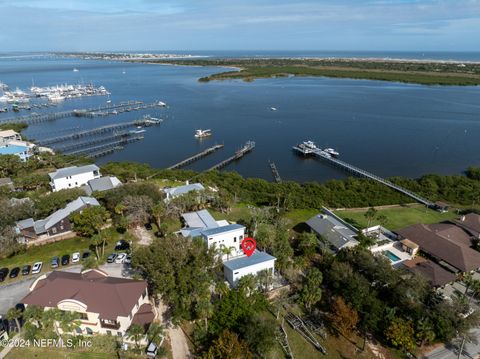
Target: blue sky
{"points": [[78, 25]]}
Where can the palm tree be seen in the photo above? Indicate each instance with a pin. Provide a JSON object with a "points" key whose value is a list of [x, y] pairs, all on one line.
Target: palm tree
{"points": [[15, 314], [265, 278], [226, 251], [135, 332], [32, 312], [158, 211], [222, 289], [97, 242], [68, 321], [155, 331]]}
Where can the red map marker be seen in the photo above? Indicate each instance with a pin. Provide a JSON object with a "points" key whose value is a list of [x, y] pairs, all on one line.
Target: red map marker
{"points": [[248, 246]]}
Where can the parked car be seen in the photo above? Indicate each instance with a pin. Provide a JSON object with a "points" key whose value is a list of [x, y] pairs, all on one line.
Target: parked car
{"points": [[3, 274], [128, 259], [54, 262], [111, 258], [37, 267], [65, 259], [85, 255], [75, 257], [14, 272], [122, 245], [120, 258], [151, 350], [26, 269]]}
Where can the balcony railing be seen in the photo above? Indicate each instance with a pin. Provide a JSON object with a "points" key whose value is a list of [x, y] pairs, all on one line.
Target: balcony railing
{"points": [[107, 325]]}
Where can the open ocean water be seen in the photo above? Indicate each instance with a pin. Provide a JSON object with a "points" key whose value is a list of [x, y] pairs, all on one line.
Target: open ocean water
{"points": [[387, 128]]}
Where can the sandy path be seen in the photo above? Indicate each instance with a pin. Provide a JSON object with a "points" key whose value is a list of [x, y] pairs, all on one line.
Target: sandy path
{"points": [[143, 235]]}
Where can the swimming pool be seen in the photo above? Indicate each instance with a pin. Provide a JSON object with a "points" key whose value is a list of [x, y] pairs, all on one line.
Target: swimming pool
{"points": [[391, 256]]}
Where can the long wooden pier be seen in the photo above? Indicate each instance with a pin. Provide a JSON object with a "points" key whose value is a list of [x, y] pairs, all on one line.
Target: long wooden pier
{"points": [[249, 146], [105, 146], [362, 173], [107, 110], [195, 157], [66, 148], [275, 173], [96, 131]]}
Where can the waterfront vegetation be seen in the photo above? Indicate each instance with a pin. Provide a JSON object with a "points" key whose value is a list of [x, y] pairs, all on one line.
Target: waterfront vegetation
{"points": [[426, 73], [355, 294]]}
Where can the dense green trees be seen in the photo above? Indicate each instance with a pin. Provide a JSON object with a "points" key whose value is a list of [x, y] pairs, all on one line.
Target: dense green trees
{"points": [[90, 221]]}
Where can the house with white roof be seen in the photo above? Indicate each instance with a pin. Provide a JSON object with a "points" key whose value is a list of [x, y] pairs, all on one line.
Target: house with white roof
{"points": [[220, 234], [174, 192], [236, 268], [9, 135], [56, 224], [72, 177]]}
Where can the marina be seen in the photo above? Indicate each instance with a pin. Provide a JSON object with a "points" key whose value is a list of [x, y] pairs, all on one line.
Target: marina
{"points": [[275, 173], [248, 147], [195, 157]]}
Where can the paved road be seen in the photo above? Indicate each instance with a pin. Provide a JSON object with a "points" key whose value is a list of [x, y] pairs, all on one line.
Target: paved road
{"points": [[12, 293]]}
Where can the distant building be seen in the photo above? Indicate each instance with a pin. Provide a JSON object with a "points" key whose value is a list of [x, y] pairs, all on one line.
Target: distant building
{"points": [[9, 135], [101, 184], [106, 305], [55, 224], [174, 192], [334, 233], [239, 267], [72, 177]]}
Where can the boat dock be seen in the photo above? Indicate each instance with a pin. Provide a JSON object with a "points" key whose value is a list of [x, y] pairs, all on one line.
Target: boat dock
{"points": [[99, 149], [276, 174], [362, 173], [195, 157], [67, 148], [299, 326], [248, 147], [97, 131], [107, 110]]}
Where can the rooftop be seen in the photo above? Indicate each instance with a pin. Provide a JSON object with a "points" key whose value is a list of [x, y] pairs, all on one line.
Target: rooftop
{"points": [[200, 219], [180, 190], [332, 229], [222, 229], [471, 222], [432, 272], [242, 262], [110, 297], [102, 184], [9, 133], [72, 171]]}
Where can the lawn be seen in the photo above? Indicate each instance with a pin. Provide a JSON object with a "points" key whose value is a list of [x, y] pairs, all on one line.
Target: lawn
{"points": [[239, 212], [397, 217]]}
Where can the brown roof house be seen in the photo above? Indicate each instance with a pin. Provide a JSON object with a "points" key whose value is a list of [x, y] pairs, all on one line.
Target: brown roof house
{"points": [[435, 274], [470, 223], [446, 243], [107, 305]]}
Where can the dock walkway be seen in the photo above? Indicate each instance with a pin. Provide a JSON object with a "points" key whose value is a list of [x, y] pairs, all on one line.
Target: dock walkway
{"points": [[195, 157], [249, 146], [276, 174]]}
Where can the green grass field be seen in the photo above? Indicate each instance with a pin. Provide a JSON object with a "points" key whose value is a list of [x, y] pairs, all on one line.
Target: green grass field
{"points": [[48, 353], [397, 217]]}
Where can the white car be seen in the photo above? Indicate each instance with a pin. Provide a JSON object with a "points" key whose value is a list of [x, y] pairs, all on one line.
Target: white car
{"points": [[37, 267], [120, 258], [75, 257]]}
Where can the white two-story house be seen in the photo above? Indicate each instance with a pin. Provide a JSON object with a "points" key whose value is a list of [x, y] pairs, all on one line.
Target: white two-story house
{"points": [[105, 305], [73, 177]]}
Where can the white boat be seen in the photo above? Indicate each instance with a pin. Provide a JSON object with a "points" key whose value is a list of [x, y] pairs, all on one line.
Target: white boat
{"points": [[109, 101], [202, 133], [55, 97], [273, 109], [75, 70], [331, 151], [306, 147], [161, 104]]}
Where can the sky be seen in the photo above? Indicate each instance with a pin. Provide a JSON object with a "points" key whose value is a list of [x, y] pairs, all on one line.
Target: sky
{"points": [[189, 25]]}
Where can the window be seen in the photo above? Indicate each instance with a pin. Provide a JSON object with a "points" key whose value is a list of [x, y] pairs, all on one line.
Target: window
{"points": [[54, 230], [78, 330], [119, 334], [89, 331], [76, 183], [61, 227], [109, 332], [236, 272], [234, 239], [83, 316], [241, 237]]}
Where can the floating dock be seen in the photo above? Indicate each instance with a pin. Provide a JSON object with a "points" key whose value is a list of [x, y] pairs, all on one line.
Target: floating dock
{"points": [[275, 173], [248, 147], [362, 173], [195, 157]]}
